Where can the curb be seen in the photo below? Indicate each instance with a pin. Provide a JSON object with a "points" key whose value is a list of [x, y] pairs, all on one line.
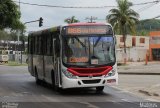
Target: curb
{"points": [[149, 93]]}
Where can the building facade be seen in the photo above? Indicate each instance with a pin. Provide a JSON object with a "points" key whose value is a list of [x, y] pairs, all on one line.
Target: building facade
{"points": [[154, 46], [137, 47]]}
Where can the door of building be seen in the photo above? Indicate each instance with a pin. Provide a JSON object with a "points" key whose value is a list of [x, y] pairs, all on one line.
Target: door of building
{"points": [[156, 54]]}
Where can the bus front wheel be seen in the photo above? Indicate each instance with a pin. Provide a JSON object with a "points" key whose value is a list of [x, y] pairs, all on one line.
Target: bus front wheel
{"points": [[53, 82]]}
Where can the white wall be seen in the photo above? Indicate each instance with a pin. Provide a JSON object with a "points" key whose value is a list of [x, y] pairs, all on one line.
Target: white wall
{"points": [[134, 53]]}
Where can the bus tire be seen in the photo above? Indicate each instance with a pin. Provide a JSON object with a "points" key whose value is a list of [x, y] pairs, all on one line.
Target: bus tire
{"points": [[52, 78], [55, 88], [38, 81], [99, 89]]}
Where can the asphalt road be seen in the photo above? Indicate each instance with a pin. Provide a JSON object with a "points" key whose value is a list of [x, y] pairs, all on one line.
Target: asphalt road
{"points": [[18, 89]]}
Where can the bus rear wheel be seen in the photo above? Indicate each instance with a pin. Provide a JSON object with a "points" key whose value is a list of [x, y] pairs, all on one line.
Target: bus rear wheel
{"points": [[99, 89], [38, 81]]}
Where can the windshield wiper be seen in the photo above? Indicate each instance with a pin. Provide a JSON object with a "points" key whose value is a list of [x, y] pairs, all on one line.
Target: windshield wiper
{"points": [[97, 41], [80, 42]]}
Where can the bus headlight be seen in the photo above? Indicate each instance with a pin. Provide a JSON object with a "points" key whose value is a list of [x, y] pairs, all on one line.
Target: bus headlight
{"points": [[111, 73], [68, 74]]}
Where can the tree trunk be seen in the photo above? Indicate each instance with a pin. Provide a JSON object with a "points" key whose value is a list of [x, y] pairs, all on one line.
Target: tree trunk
{"points": [[124, 38]]}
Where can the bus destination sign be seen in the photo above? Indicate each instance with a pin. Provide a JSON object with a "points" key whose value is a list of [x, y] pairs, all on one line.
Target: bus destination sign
{"points": [[84, 30]]}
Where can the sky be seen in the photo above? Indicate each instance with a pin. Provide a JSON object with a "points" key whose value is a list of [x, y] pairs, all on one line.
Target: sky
{"points": [[55, 16]]}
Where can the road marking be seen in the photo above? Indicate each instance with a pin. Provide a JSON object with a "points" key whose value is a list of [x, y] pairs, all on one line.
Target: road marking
{"points": [[89, 105], [126, 100], [113, 101], [122, 90], [115, 87], [154, 100]]}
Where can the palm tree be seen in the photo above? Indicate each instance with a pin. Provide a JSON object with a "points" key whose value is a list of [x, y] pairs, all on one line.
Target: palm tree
{"points": [[123, 19], [71, 20]]}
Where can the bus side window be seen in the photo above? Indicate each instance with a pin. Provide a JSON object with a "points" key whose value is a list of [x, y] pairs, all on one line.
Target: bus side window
{"points": [[36, 45], [33, 45], [48, 45], [29, 45], [57, 47], [44, 44], [51, 45], [49, 48], [40, 45]]}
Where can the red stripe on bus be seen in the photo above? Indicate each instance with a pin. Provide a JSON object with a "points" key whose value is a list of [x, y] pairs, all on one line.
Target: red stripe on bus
{"points": [[90, 71]]}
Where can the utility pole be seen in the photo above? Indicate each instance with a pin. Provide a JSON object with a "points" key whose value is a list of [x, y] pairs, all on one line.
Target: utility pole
{"points": [[19, 4], [91, 19], [18, 40]]}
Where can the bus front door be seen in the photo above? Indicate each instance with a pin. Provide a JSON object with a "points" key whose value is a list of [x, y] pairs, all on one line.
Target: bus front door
{"points": [[56, 63]]}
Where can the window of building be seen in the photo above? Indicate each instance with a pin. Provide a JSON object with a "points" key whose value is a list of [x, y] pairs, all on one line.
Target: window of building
{"points": [[155, 40], [121, 39], [142, 40], [133, 41]]}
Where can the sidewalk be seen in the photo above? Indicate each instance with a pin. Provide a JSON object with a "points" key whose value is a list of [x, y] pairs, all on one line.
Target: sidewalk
{"points": [[138, 80], [152, 68]]}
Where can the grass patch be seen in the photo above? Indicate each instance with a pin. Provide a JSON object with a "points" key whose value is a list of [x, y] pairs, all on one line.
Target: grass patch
{"points": [[14, 63]]}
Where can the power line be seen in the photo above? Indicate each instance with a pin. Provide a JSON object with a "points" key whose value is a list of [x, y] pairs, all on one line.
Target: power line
{"points": [[156, 17], [156, 1], [152, 18], [54, 6], [149, 6], [145, 7], [89, 7]]}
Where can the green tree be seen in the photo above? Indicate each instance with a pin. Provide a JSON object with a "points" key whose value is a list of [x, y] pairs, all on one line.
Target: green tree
{"points": [[123, 19], [4, 38], [71, 20], [9, 15]]}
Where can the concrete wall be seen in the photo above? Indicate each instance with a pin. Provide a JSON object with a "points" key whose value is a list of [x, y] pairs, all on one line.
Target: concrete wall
{"points": [[137, 54], [121, 44], [134, 53], [139, 44]]}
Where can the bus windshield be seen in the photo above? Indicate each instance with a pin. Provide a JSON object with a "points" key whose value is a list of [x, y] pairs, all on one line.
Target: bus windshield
{"points": [[88, 50]]}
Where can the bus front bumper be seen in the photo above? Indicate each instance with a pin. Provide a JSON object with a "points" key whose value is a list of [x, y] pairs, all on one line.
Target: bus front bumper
{"points": [[81, 82]]}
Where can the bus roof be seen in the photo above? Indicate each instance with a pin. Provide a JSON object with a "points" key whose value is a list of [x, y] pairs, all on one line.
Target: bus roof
{"points": [[87, 23], [57, 28], [45, 30]]}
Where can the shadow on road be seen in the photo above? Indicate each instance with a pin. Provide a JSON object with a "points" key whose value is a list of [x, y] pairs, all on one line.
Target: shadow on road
{"points": [[73, 91]]}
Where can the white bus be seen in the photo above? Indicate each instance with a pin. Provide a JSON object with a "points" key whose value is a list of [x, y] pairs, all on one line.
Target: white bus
{"points": [[74, 56]]}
